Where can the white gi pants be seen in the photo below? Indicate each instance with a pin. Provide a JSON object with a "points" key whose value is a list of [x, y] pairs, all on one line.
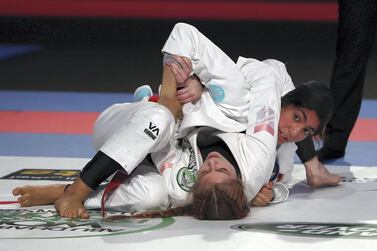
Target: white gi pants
{"points": [[128, 133]]}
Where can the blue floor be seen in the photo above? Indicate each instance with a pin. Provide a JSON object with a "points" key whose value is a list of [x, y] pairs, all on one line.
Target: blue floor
{"points": [[59, 145]]}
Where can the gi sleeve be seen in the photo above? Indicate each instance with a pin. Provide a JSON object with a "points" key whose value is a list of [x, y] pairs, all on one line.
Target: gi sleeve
{"points": [[216, 71]]}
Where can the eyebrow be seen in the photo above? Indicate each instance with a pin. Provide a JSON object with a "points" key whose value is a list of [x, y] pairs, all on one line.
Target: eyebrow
{"points": [[305, 118]]}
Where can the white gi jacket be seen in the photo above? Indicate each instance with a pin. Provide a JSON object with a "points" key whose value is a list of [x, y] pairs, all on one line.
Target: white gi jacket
{"points": [[242, 96], [181, 160], [242, 99]]}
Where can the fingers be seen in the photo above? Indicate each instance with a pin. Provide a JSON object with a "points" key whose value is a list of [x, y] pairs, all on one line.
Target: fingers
{"points": [[187, 95], [185, 64], [258, 202], [181, 69], [185, 98], [269, 185], [178, 73], [264, 196]]}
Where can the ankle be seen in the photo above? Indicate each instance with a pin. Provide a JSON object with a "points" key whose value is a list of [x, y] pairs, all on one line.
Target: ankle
{"points": [[78, 189], [327, 153]]}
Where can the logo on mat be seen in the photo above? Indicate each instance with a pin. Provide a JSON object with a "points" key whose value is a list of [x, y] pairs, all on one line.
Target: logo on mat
{"points": [[307, 229], [152, 131], [45, 224], [43, 174], [358, 180]]}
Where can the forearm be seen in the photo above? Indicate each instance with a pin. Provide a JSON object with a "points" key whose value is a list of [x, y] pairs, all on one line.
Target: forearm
{"points": [[168, 96]]}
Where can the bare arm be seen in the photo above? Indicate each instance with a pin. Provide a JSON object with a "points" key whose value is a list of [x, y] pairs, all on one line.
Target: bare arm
{"points": [[168, 96]]}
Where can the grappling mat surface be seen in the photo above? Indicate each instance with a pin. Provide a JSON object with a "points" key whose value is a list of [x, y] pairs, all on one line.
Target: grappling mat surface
{"points": [[45, 138]]}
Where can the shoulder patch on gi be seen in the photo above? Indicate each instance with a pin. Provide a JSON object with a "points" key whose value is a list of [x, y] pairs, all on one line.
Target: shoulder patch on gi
{"points": [[265, 120], [217, 92], [152, 131]]}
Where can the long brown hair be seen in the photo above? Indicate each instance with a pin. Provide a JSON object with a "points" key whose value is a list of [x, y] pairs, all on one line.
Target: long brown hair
{"points": [[220, 201]]}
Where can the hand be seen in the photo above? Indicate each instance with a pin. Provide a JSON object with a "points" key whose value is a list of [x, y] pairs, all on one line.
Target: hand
{"points": [[264, 196], [191, 90], [181, 68]]}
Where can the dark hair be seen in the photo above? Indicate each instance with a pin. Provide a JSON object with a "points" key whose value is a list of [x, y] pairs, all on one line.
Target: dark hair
{"points": [[314, 96], [220, 201]]}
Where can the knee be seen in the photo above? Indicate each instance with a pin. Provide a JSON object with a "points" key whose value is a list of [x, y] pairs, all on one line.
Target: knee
{"points": [[162, 118]]}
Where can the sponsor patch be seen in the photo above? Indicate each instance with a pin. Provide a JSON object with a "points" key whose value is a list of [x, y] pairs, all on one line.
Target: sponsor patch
{"points": [[308, 229], [152, 131], [46, 224], [265, 120], [186, 178], [44, 174], [217, 93]]}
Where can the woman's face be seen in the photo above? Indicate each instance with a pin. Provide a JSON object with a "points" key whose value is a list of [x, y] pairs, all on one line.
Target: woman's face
{"points": [[296, 123], [216, 169]]}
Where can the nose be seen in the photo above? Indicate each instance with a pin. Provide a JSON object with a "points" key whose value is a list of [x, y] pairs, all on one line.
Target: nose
{"points": [[212, 162], [296, 132]]}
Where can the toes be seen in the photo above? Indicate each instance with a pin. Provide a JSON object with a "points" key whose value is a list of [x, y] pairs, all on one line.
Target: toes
{"points": [[24, 200], [17, 191], [24, 203], [62, 213], [73, 215], [83, 214]]}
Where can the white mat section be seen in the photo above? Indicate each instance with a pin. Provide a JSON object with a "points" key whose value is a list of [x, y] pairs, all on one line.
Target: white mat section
{"points": [[342, 217]]}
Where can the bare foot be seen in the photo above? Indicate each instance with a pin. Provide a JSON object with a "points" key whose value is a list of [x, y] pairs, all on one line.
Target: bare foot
{"points": [[70, 204], [38, 195], [318, 176]]}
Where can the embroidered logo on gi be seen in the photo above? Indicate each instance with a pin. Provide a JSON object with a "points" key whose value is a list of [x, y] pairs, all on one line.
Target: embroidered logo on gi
{"points": [[217, 93], [187, 176], [265, 120], [152, 131]]}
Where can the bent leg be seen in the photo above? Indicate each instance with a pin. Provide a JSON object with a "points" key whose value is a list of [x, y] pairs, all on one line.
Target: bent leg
{"points": [[145, 189], [127, 133]]}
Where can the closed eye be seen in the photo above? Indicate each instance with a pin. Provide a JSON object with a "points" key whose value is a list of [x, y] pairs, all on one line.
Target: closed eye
{"points": [[224, 170]]}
